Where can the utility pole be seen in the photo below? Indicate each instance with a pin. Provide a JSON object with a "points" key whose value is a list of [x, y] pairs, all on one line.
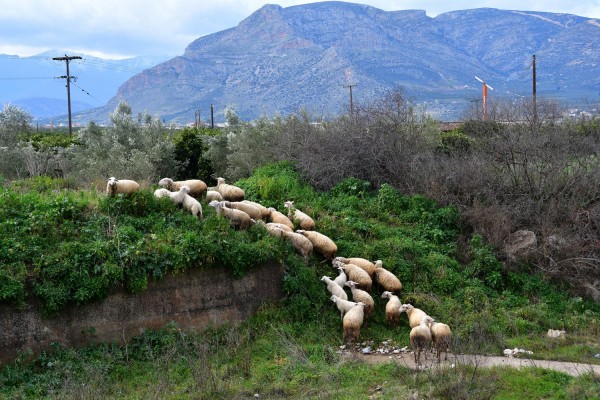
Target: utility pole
{"points": [[68, 77], [350, 86], [212, 117], [534, 99]]}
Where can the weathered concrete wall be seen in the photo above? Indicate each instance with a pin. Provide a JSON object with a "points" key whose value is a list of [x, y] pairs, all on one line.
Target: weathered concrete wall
{"points": [[194, 299]]}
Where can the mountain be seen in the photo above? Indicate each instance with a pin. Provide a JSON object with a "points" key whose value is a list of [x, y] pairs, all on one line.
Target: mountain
{"points": [[281, 59], [32, 83]]}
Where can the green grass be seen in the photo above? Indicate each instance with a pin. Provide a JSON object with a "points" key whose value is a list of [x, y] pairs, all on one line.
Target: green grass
{"points": [[287, 350]]}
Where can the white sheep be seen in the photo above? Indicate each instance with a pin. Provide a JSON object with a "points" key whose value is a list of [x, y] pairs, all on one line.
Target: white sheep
{"points": [[363, 263], [415, 315], [341, 279], [162, 192], [352, 322], [237, 218], [249, 209], [196, 186], [334, 288], [300, 243], [392, 308], [230, 192], [304, 221], [266, 213], [420, 337], [125, 186], [280, 218], [321, 243], [213, 195], [441, 336], [343, 305], [357, 274], [271, 230], [387, 280], [188, 202], [283, 227], [361, 296]]}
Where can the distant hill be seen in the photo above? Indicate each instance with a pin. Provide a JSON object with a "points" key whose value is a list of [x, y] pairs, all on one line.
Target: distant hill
{"points": [[32, 83], [280, 59]]}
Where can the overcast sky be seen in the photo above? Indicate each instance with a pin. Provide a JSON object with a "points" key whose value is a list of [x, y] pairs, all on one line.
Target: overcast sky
{"points": [[126, 28]]}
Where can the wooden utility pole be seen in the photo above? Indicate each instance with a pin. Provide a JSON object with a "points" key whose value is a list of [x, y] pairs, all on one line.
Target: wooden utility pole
{"points": [[68, 77], [350, 86], [534, 99], [212, 117]]}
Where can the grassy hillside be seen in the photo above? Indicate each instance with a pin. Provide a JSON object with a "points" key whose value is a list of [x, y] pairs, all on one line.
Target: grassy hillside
{"points": [[68, 246]]}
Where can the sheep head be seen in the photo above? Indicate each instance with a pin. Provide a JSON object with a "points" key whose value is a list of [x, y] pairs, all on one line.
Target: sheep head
{"points": [[350, 284], [386, 295], [112, 181], [405, 308], [166, 182]]}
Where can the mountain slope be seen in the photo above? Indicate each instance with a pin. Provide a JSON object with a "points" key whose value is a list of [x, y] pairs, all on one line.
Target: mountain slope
{"points": [[280, 59]]}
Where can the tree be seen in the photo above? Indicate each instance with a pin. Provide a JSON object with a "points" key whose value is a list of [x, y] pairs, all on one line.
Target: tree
{"points": [[13, 122]]}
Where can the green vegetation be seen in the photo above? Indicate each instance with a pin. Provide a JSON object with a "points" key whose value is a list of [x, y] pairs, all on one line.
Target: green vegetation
{"points": [[289, 350]]}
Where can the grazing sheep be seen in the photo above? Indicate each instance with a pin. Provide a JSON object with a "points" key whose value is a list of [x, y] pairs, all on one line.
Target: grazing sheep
{"points": [[352, 322], [125, 186], [363, 263], [334, 288], [300, 243], [192, 205], [229, 192], [283, 227], [162, 192], [249, 209], [179, 196], [321, 243], [441, 336], [304, 221], [363, 297], [266, 213], [420, 337], [280, 218], [392, 313], [343, 305], [213, 195], [341, 279], [386, 279], [358, 275], [237, 218], [197, 187], [271, 230], [415, 315]]}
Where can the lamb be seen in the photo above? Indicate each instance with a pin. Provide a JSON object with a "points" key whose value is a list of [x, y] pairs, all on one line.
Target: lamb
{"points": [[188, 202], [420, 337], [441, 336], [415, 315], [213, 195], [321, 243], [363, 297], [300, 243], [162, 192], [304, 221], [386, 279], [237, 218], [334, 288], [363, 263], [341, 279], [197, 187], [124, 186], [358, 275], [266, 213], [343, 305], [279, 226], [352, 322], [249, 209], [280, 218], [230, 192], [392, 313]]}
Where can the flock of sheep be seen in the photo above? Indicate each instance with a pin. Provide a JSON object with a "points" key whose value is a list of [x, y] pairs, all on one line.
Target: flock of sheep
{"points": [[358, 274]]}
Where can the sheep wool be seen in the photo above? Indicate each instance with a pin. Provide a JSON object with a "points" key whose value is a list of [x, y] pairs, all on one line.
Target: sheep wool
{"points": [[363, 263], [280, 218], [386, 279], [321, 243], [343, 305], [304, 221], [352, 322], [237, 218], [271, 230], [420, 338], [196, 186], [192, 205], [213, 195], [263, 210], [441, 335], [249, 209], [124, 186], [162, 192], [300, 243], [392, 308], [229, 192], [341, 279], [179, 196], [415, 315], [279, 226], [358, 275], [362, 297], [334, 288]]}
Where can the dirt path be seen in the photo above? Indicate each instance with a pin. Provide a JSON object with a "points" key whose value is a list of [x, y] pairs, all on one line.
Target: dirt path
{"points": [[407, 360]]}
